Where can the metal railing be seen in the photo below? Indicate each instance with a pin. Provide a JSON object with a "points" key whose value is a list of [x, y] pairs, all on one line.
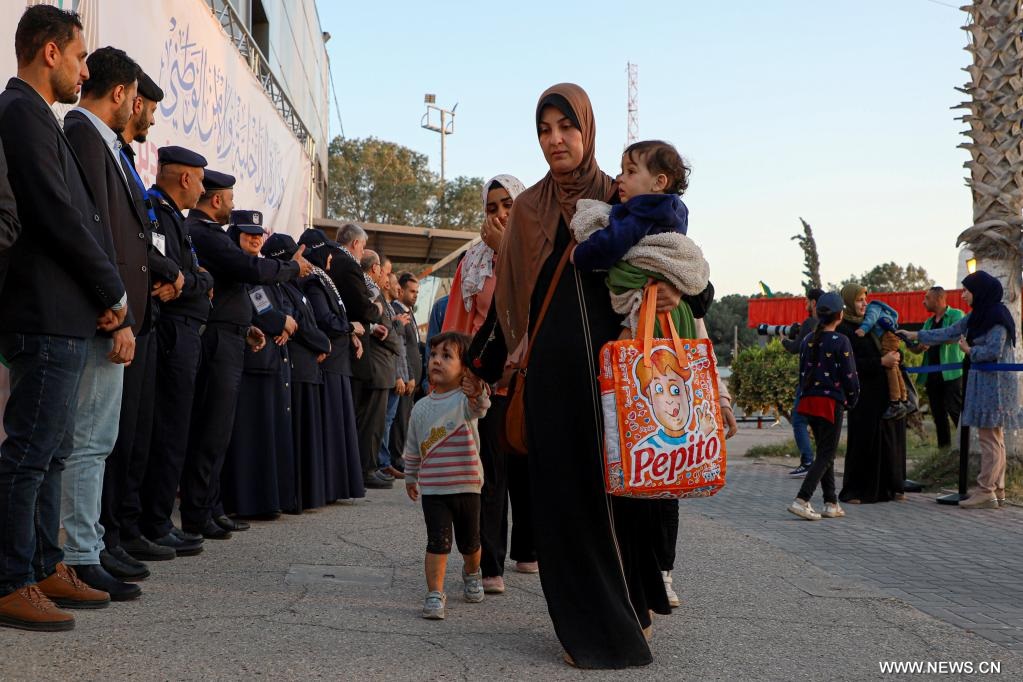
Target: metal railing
{"points": [[246, 45]]}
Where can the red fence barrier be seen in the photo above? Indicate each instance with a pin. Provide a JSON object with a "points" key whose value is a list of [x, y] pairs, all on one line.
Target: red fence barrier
{"points": [[909, 304]]}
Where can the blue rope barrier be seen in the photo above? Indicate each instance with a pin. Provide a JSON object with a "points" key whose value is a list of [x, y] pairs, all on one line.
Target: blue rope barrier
{"points": [[979, 367]]}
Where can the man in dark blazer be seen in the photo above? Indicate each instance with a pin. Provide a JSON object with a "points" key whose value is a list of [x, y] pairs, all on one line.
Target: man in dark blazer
{"points": [[93, 129], [404, 307], [126, 465], [60, 284]]}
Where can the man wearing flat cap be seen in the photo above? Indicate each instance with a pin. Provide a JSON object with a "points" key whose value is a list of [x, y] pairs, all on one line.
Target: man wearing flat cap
{"points": [[179, 348], [126, 465], [230, 324]]}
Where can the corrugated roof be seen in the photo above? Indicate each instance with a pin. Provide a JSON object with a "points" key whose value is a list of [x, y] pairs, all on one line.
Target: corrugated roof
{"points": [[404, 243]]}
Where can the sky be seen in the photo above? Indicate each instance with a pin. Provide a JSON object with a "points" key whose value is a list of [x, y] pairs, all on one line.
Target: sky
{"points": [[837, 111]]}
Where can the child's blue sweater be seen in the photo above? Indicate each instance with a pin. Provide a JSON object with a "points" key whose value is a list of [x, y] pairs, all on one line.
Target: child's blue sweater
{"points": [[879, 318], [629, 222], [827, 368]]}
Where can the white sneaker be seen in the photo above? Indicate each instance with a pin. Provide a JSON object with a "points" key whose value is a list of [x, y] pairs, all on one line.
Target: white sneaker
{"points": [[803, 510], [672, 597], [832, 511], [433, 605], [472, 586]]}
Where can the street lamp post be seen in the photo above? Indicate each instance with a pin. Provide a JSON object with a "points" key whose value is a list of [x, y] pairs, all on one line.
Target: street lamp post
{"points": [[445, 127]]}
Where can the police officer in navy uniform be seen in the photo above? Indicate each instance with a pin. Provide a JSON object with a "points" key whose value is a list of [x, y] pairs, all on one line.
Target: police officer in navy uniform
{"points": [[228, 330], [179, 184]]}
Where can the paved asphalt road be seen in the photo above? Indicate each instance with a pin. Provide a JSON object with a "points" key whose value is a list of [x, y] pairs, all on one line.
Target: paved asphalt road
{"points": [[335, 594]]}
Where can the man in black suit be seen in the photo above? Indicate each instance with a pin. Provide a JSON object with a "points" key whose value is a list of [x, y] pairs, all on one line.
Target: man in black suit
{"points": [[10, 228], [179, 345], [365, 315], [227, 331], [93, 129], [126, 465], [404, 308], [60, 285]]}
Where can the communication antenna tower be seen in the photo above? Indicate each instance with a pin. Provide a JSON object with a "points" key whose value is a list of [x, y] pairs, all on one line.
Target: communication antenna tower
{"points": [[633, 70]]}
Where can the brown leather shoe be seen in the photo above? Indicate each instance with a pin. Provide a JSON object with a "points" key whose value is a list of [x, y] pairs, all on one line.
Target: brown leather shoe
{"points": [[66, 590], [394, 472], [28, 609]]}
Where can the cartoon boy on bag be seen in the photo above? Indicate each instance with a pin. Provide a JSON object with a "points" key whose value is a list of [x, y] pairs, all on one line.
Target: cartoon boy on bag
{"points": [[667, 387]]}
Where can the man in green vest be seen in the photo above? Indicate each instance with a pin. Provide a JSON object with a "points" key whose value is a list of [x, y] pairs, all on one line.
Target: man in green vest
{"points": [[945, 388]]}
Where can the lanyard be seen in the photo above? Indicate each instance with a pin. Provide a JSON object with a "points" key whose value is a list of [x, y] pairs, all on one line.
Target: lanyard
{"points": [[141, 186]]}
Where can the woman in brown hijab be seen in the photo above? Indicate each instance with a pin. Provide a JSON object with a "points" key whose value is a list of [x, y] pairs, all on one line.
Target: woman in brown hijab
{"points": [[596, 552]]}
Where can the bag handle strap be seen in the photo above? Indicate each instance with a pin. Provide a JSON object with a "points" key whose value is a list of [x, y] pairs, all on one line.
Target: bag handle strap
{"points": [[645, 329], [547, 301]]}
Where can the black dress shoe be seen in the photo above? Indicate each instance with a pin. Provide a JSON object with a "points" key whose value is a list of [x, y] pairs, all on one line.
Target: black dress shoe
{"points": [[180, 547], [187, 537], [96, 577], [121, 565], [230, 524], [211, 531], [142, 548]]}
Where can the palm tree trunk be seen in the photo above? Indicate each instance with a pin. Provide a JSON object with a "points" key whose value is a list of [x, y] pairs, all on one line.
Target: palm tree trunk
{"points": [[996, 149]]}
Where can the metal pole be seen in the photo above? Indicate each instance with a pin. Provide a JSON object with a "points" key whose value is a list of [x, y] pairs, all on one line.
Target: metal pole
{"points": [[964, 450]]}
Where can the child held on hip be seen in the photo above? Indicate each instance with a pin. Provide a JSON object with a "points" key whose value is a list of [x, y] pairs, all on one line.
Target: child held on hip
{"points": [[882, 321], [442, 462]]}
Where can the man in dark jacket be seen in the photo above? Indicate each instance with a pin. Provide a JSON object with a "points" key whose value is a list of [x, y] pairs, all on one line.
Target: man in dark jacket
{"points": [[93, 129], [800, 427], [404, 309], [179, 347], [228, 329], [126, 465], [60, 285]]}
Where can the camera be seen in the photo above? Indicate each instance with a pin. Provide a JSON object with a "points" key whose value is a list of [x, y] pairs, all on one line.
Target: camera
{"points": [[789, 331]]}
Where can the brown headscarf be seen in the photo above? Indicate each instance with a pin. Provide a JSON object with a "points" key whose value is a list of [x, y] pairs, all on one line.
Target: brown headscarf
{"points": [[850, 292], [533, 224]]}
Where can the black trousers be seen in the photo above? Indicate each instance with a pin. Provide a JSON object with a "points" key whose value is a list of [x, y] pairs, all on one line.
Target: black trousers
{"points": [[213, 412], [522, 546], [399, 429], [126, 465], [179, 349], [826, 435], [494, 496], [370, 419], [946, 398], [665, 514]]}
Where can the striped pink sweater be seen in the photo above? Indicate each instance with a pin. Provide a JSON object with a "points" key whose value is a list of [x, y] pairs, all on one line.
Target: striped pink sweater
{"points": [[442, 449]]}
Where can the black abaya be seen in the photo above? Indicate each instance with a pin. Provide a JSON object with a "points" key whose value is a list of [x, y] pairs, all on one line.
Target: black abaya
{"points": [[875, 458], [596, 552]]}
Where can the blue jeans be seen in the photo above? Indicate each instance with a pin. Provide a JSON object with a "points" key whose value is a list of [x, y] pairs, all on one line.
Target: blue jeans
{"points": [[801, 432], [39, 421], [97, 417], [384, 458]]}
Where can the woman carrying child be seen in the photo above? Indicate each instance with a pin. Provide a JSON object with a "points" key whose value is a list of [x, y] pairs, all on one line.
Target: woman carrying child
{"points": [[828, 385], [986, 335]]}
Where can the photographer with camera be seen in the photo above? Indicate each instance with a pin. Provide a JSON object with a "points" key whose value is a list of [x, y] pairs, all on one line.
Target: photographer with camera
{"points": [[800, 426]]}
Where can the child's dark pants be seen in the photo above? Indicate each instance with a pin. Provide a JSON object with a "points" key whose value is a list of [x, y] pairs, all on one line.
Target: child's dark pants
{"points": [[822, 471]]}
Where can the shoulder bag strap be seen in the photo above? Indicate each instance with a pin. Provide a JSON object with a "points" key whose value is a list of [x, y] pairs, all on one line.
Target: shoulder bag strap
{"points": [[547, 301]]}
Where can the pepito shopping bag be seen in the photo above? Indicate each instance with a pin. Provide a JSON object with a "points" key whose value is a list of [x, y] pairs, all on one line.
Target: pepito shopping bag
{"points": [[663, 434]]}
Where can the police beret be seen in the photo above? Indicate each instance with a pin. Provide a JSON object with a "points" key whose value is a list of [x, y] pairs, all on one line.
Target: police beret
{"points": [[186, 157], [249, 222], [148, 88], [279, 245], [213, 180], [313, 238]]}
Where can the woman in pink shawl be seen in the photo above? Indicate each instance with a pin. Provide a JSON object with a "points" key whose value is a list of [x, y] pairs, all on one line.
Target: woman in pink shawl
{"points": [[472, 292]]}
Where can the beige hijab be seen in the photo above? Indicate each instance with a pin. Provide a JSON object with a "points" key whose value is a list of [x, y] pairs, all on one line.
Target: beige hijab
{"points": [[533, 224]]}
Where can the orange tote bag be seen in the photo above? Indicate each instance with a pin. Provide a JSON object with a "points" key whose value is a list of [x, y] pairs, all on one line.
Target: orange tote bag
{"points": [[663, 434]]}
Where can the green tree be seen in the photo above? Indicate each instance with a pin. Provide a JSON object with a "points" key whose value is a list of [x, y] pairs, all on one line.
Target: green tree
{"points": [[764, 379], [810, 260], [462, 206], [723, 317], [376, 181], [890, 277]]}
